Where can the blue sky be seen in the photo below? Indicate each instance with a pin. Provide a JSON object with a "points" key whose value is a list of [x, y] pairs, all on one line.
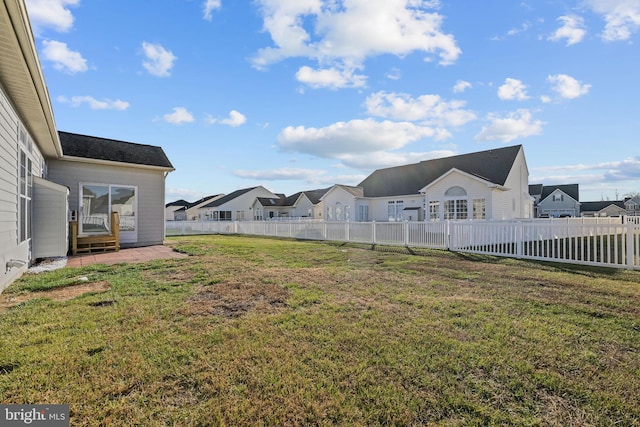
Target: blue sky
{"points": [[303, 94]]}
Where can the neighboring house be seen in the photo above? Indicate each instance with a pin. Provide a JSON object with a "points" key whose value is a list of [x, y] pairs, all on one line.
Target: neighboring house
{"points": [[602, 208], [557, 201], [535, 191], [236, 206], [105, 175], [341, 202], [491, 184], [171, 208], [304, 204], [632, 205], [191, 212]]}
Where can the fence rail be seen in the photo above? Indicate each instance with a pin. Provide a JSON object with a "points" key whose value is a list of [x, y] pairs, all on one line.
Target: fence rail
{"points": [[610, 242]]}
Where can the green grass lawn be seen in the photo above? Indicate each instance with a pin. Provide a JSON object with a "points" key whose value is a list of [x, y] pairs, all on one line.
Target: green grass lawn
{"points": [[254, 331]]}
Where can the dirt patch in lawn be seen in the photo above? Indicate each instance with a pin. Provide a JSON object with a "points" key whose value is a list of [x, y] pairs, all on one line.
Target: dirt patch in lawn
{"points": [[237, 296], [58, 294]]}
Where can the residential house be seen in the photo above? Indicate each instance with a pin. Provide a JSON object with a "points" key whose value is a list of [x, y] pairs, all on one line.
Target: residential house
{"points": [[40, 180], [105, 175], [191, 212], [28, 138], [632, 205], [557, 201], [172, 207], [602, 208], [491, 184], [236, 206], [304, 204]]}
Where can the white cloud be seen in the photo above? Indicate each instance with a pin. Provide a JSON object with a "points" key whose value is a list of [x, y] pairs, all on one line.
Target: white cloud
{"points": [[518, 124], [512, 89], [332, 78], [523, 28], [572, 30], [385, 159], [428, 109], [282, 174], [568, 87], [63, 58], [94, 104], [209, 7], [353, 137], [159, 61], [622, 17], [461, 86], [393, 74], [341, 34], [52, 14], [180, 115], [235, 119]]}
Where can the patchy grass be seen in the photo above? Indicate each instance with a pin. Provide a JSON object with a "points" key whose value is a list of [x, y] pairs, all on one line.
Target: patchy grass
{"points": [[254, 331]]}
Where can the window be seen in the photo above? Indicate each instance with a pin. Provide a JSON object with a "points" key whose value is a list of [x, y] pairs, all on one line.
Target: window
{"points": [[558, 197], [456, 204], [24, 202], [225, 215], [257, 214], [479, 209], [339, 211], [394, 210], [455, 209], [363, 213], [434, 210], [329, 213]]}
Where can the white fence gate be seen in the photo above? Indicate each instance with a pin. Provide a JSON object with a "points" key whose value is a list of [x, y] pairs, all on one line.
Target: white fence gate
{"points": [[610, 242]]}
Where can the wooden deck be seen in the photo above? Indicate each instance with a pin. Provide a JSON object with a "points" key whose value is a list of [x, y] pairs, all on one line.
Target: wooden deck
{"points": [[96, 243]]}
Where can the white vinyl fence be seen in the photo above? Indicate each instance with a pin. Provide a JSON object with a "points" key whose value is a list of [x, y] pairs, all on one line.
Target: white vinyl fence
{"points": [[610, 242]]}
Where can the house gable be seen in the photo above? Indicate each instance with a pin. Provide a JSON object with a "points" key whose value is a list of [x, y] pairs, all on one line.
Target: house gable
{"points": [[490, 165], [456, 175]]}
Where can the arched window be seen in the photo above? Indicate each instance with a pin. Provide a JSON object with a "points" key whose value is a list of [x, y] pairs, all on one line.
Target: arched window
{"points": [[456, 203], [339, 211], [455, 192]]}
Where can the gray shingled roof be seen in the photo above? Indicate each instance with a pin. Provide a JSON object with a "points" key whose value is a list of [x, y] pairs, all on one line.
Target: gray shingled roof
{"points": [[491, 165], [535, 189], [569, 189], [91, 147], [272, 201], [222, 200], [180, 202], [598, 206]]}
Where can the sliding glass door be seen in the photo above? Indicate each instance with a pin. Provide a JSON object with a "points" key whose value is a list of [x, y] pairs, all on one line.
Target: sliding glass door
{"points": [[98, 201]]}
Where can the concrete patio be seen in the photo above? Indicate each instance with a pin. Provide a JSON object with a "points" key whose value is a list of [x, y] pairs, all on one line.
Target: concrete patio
{"points": [[130, 255]]}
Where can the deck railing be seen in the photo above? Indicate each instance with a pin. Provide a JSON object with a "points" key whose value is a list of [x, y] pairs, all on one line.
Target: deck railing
{"points": [[610, 242]]}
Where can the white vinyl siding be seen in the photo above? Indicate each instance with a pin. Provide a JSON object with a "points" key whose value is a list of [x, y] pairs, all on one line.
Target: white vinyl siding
{"points": [[149, 183], [14, 244]]}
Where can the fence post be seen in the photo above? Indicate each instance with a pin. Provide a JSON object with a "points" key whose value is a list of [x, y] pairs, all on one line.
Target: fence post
{"points": [[631, 250], [405, 229], [447, 235], [519, 239], [373, 233]]}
